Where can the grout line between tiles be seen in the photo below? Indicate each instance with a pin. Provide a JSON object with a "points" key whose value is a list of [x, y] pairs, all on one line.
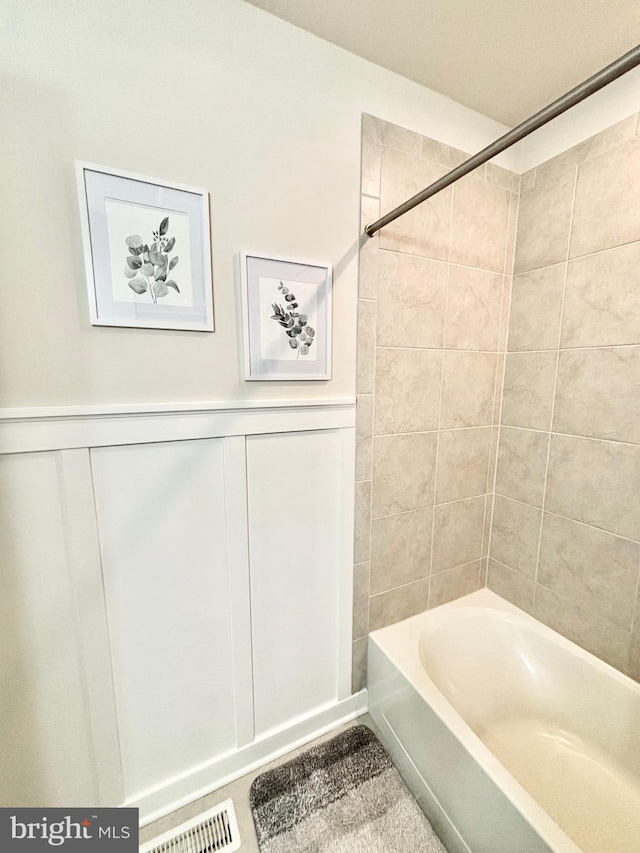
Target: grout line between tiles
{"points": [[570, 260], [617, 441], [503, 339], [440, 394], [572, 349], [569, 518], [426, 577], [555, 383]]}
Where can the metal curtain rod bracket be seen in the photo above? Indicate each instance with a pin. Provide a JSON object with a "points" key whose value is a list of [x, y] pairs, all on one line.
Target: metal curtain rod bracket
{"points": [[579, 93]]}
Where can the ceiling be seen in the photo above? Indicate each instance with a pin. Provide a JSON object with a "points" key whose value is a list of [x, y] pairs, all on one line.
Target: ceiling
{"points": [[504, 58]]}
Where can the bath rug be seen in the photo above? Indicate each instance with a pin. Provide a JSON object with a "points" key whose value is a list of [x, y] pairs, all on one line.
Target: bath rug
{"points": [[344, 796]]}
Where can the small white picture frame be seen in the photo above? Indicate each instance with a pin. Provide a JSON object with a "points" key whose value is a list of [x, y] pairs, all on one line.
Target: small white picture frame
{"points": [[147, 250], [286, 308]]}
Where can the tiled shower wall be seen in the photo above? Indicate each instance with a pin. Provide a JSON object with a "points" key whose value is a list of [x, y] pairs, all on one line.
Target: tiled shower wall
{"points": [[565, 541], [433, 302]]}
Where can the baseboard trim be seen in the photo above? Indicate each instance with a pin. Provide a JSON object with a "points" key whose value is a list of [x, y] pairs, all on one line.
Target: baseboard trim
{"points": [[204, 779]]}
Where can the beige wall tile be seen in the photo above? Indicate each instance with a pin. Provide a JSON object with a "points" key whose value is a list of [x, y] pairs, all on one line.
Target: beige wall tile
{"points": [[454, 583], [592, 147], [484, 571], [633, 669], [479, 225], [602, 300], [593, 569], [364, 432], [498, 388], [366, 346], [473, 309], [527, 181], [362, 540], [528, 389], [543, 224], [400, 549], [425, 229], [512, 585], [514, 205], [522, 461], [371, 155], [457, 533], [394, 136], [607, 205], [598, 393], [536, 309], [463, 459], [493, 458], [369, 256], [360, 600], [504, 312], [398, 604], [503, 178], [467, 389], [442, 154], [411, 301], [597, 482], [597, 636], [486, 530], [515, 535], [359, 665], [403, 472], [407, 390]]}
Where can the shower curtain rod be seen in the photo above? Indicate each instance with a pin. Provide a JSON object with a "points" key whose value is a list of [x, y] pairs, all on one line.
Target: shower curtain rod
{"points": [[574, 96]]}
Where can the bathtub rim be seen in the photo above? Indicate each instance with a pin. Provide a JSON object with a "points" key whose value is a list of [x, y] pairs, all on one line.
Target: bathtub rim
{"points": [[407, 633]]}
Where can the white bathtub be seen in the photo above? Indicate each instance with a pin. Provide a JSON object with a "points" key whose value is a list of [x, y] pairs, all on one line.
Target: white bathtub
{"points": [[513, 739]]}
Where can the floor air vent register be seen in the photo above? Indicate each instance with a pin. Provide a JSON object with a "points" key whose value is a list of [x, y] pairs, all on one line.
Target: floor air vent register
{"points": [[216, 829]]}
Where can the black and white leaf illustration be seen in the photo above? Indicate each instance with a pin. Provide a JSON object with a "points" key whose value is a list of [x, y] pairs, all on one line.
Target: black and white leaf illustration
{"points": [[139, 285], [299, 334], [147, 266]]}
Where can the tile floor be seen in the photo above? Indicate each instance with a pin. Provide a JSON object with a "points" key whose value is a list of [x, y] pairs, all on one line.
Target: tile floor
{"points": [[239, 792]]}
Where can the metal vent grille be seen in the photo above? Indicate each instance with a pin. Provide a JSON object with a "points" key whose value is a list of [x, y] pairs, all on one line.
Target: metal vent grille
{"points": [[216, 829]]}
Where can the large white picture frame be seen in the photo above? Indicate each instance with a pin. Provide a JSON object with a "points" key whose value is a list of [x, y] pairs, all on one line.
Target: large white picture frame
{"points": [[286, 307], [147, 250]]}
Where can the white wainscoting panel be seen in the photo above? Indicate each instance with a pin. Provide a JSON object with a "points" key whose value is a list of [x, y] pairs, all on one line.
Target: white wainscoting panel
{"points": [[175, 596], [295, 502], [47, 753], [162, 524]]}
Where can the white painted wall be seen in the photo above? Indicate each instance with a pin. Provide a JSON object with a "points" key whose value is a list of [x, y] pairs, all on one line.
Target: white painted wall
{"points": [[213, 93]]}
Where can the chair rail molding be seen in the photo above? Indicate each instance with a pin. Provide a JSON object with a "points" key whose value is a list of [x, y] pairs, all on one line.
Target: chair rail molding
{"points": [[26, 430]]}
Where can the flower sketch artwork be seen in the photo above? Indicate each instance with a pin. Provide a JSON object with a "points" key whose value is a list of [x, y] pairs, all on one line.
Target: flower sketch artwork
{"points": [[148, 267], [299, 333]]}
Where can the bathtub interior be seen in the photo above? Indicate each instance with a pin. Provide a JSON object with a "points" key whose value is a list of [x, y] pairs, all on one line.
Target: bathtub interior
{"points": [[494, 668], [563, 724]]}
